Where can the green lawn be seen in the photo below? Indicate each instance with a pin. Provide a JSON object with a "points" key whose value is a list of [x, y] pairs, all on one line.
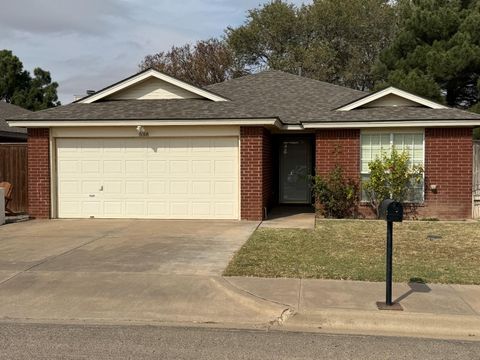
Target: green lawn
{"points": [[355, 250]]}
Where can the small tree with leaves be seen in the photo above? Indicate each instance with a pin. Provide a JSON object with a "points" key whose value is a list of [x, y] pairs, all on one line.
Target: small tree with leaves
{"points": [[392, 176]]}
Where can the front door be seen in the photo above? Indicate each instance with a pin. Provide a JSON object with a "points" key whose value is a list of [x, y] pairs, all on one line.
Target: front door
{"points": [[295, 170]]}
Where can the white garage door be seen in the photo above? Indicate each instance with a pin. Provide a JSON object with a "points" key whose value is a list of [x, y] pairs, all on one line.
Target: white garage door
{"points": [[160, 178]]}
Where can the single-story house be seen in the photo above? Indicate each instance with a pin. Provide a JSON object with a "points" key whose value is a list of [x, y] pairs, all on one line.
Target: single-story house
{"points": [[11, 134], [151, 146]]}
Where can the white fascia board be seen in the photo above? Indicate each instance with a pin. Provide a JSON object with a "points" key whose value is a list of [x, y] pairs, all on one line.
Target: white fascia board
{"points": [[145, 75], [394, 91], [391, 124], [82, 123]]}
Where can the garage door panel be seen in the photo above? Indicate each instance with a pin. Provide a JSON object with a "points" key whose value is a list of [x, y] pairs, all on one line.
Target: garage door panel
{"points": [[91, 208], [201, 188], [200, 209], [178, 178], [224, 167], [224, 209], [224, 188], [134, 167], [134, 209], [70, 208], [156, 187], [157, 209], [179, 167], [202, 167], [113, 188], [156, 167], [179, 209], [90, 187], [113, 167], [113, 208], [69, 166]]}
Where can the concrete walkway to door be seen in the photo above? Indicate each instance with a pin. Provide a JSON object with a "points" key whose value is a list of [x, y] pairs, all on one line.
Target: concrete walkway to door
{"points": [[290, 217], [125, 270]]}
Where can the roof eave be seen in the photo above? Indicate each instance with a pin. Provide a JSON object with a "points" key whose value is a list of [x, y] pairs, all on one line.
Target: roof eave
{"points": [[390, 124], [271, 121]]}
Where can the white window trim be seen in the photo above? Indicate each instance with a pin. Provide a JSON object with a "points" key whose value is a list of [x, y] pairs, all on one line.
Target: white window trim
{"points": [[391, 132]]}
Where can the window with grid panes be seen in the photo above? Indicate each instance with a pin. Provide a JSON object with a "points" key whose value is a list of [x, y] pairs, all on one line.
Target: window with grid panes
{"points": [[373, 144]]}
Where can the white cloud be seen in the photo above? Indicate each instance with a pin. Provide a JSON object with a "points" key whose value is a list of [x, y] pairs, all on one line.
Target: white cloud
{"points": [[88, 44]]}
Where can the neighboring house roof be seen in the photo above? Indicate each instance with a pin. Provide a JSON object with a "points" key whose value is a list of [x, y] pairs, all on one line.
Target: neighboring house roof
{"points": [[291, 99], [8, 111]]}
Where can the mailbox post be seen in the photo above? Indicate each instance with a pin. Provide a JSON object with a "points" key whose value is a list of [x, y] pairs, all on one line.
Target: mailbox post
{"points": [[391, 211]]}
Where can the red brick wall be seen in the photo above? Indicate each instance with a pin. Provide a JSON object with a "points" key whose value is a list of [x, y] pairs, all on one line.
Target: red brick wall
{"points": [[448, 164], [38, 173], [267, 166], [340, 146], [256, 172]]}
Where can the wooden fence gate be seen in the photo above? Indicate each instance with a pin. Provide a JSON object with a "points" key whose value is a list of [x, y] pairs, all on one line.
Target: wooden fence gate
{"points": [[13, 168], [476, 179]]}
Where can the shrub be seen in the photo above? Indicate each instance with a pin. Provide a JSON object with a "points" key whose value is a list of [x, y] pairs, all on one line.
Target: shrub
{"points": [[337, 195], [391, 177]]}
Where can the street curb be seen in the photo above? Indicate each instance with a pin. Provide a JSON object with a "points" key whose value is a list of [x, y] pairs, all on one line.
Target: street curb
{"points": [[407, 324]]}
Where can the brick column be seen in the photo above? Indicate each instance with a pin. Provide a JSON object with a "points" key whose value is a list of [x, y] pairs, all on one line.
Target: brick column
{"points": [[338, 147], [256, 172], [38, 164], [448, 165]]}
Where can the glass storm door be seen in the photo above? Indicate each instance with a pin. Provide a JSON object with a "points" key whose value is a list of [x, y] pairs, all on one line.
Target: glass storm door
{"points": [[295, 169]]}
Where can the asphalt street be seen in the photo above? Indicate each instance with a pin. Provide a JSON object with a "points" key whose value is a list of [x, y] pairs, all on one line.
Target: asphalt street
{"points": [[56, 341]]}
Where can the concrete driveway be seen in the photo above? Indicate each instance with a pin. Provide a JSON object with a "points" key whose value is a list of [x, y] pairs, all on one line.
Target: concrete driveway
{"points": [[125, 270], [159, 247]]}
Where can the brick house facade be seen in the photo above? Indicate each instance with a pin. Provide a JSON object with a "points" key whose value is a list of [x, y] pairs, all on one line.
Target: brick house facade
{"points": [[242, 122]]}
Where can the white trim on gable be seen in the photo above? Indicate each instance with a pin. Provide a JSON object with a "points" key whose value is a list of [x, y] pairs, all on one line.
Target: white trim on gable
{"points": [[122, 85], [391, 91]]}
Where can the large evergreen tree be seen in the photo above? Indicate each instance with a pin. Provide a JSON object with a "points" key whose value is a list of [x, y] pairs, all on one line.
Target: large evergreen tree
{"points": [[18, 87], [436, 51]]}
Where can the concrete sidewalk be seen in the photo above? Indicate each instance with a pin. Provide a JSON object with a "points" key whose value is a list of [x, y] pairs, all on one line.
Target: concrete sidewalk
{"points": [[350, 306], [170, 272]]}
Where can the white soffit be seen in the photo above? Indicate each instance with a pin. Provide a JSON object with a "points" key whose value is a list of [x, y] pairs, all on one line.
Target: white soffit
{"points": [[387, 93], [145, 75]]}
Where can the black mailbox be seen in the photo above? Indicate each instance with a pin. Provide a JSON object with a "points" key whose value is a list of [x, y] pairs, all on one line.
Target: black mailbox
{"points": [[391, 210]]}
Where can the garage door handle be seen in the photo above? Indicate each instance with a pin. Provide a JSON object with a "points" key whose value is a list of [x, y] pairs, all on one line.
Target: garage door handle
{"points": [[91, 195], [101, 188]]}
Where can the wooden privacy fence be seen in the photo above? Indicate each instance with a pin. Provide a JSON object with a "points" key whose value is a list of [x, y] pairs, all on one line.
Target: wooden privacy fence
{"points": [[476, 179], [13, 168]]}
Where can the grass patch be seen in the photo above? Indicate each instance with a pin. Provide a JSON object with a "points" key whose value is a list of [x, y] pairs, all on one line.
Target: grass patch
{"points": [[433, 252]]}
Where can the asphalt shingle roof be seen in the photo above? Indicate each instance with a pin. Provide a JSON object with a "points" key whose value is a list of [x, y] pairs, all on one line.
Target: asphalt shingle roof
{"points": [[292, 99], [8, 111]]}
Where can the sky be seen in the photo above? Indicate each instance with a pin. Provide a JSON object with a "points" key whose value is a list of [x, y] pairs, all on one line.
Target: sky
{"points": [[89, 44]]}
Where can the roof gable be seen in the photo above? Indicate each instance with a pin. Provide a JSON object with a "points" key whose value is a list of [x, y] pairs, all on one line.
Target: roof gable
{"points": [[153, 85], [391, 97]]}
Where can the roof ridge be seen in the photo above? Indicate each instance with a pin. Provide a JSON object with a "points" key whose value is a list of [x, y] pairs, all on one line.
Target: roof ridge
{"points": [[297, 77]]}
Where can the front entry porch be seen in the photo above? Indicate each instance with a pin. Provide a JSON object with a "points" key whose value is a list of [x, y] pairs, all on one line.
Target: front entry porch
{"points": [[290, 217]]}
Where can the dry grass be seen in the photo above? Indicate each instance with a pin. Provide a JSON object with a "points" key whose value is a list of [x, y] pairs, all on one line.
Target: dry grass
{"points": [[355, 250]]}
